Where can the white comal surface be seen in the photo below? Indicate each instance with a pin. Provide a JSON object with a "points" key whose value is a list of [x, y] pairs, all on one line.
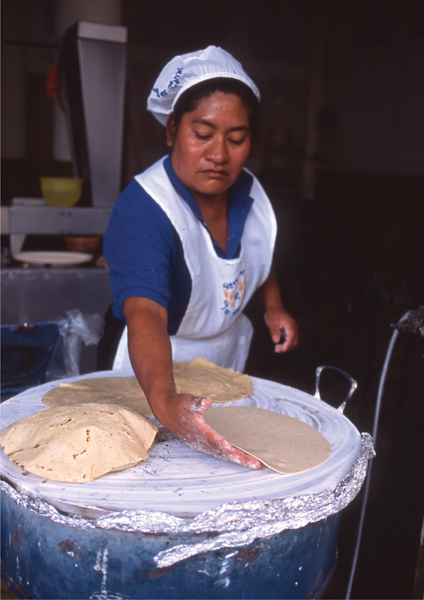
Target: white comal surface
{"points": [[180, 481]]}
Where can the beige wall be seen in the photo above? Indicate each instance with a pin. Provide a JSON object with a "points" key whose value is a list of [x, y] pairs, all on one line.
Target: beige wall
{"points": [[68, 12], [40, 22]]}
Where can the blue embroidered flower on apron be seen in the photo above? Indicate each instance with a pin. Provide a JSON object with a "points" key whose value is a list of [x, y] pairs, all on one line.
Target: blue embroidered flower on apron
{"points": [[233, 294]]}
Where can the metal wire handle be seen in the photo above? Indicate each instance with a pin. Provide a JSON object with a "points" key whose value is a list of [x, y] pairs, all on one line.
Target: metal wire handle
{"points": [[353, 384], [374, 437]]}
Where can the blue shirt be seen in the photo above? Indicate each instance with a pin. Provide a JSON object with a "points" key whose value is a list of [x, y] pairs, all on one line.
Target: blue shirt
{"points": [[145, 254]]}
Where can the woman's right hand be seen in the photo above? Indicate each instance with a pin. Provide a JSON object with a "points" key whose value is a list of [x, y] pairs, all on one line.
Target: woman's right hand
{"points": [[151, 357], [182, 414]]}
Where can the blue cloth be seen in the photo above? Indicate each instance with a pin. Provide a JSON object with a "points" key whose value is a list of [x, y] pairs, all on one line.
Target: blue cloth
{"points": [[145, 254]]}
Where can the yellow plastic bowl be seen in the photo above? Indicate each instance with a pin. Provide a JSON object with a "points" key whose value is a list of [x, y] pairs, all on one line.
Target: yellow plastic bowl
{"points": [[61, 191]]}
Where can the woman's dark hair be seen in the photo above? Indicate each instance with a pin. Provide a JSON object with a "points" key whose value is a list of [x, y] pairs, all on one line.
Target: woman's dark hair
{"points": [[191, 98]]}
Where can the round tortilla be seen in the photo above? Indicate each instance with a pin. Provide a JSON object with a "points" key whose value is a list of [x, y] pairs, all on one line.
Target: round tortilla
{"points": [[79, 443], [282, 443], [122, 391], [197, 376], [204, 378]]}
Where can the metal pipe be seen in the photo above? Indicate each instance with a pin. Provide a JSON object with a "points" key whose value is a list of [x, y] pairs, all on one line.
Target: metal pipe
{"points": [[374, 437]]}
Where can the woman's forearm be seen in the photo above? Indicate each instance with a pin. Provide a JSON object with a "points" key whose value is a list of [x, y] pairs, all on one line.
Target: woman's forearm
{"points": [[150, 350], [282, 326], [270, 294]]}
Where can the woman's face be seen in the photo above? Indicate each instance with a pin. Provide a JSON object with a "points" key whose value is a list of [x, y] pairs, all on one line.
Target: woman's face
{"points": [[211, 145]]}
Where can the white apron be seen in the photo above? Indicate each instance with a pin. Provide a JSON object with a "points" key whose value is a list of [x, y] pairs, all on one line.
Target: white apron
{"points": [[213, 325]]}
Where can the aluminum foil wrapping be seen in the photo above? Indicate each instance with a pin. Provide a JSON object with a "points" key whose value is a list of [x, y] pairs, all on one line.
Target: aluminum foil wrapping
{"points": [[231, 524]]}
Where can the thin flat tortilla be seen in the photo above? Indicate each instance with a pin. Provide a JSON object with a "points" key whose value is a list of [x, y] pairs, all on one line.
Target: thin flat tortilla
{"points": [[123, 391], [197, 376], [280, 442], [79, 443], [204, 378]]}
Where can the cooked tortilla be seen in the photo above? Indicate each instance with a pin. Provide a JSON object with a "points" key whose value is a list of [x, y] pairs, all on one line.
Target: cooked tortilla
{"points": [[204, 378], [79, 443], [123, 391], [197, 376], [284, 444]]}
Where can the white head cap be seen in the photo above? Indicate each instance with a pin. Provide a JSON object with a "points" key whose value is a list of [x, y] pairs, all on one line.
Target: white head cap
{"points": [[186, 70]]}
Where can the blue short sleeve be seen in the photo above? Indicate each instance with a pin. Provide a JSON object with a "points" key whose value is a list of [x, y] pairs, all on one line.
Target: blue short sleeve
{"points": [[145, 256]]}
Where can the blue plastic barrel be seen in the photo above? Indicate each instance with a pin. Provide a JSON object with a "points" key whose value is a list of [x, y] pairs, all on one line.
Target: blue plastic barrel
{"points": [[181, 524], [45, 559]]}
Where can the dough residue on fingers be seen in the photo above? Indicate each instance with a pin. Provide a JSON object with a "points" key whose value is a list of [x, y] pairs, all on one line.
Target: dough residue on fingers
{"points": [[199, 436], [189, 424]]}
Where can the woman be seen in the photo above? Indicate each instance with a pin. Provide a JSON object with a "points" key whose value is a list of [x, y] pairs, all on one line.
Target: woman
{"points": [[191, 239]]}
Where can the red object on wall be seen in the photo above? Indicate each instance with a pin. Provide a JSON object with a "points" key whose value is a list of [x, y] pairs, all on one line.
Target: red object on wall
{"points": [[52, 82]]}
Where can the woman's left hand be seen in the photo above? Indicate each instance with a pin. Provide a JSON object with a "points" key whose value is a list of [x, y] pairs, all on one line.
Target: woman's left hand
{"points": [[282, 327]]}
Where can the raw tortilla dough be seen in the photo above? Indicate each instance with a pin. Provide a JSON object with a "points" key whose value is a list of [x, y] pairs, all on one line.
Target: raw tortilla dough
{"points": [[197, 376], [79, 443], [284, 444]]}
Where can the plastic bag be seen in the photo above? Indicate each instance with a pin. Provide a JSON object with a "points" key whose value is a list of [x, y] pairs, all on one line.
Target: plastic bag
{"points": [[74, 330]]}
